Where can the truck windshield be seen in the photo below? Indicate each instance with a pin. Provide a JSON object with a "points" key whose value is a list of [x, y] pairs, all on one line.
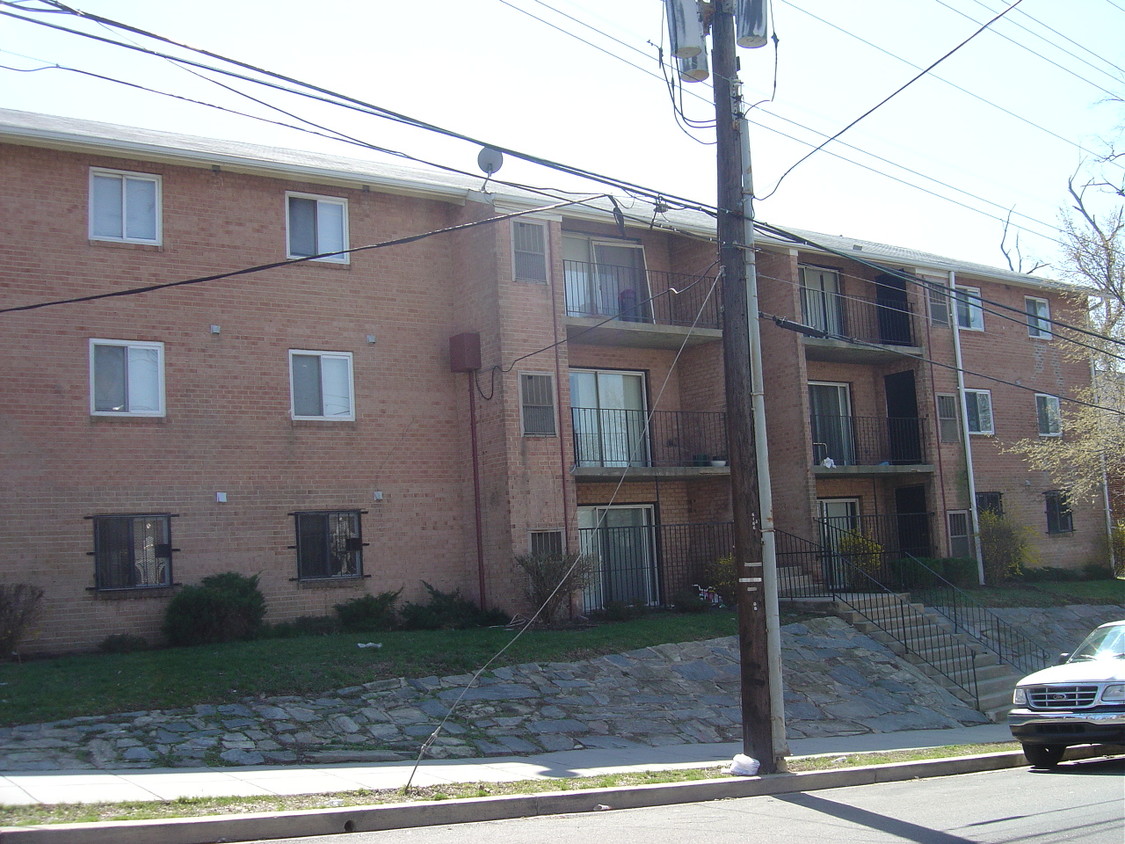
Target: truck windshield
{"points": [[1103, 643]]}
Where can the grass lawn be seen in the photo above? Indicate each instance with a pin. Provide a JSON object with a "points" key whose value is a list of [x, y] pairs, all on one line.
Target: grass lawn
{"points": [[98, 684]]}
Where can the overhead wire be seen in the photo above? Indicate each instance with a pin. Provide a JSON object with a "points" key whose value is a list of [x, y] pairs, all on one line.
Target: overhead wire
{"points": [[885, 100], [349, 102]]}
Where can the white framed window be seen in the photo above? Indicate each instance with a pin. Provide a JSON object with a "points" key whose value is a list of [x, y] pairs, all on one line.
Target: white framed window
{"points": [[939, 303], [1048, 415], [978, 406], [126, 378], [949, 420], [315, 225], [960, 544], [537, 404], [967, 304], [125, 207], [529, 251], [1038, 317], [321, 385]]}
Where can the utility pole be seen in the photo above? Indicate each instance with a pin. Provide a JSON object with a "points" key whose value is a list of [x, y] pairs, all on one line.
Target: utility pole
{"points": [[735, 233]]}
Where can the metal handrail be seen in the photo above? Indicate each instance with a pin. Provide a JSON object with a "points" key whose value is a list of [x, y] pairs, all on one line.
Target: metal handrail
{"points": [[969, 616]]}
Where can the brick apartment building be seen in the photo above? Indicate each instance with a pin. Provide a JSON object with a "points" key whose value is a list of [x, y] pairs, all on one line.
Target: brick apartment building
{"points": [[425, 411]]}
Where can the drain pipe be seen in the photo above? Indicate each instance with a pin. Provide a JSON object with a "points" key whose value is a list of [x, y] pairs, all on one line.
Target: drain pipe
{"points": [[974, 519]]}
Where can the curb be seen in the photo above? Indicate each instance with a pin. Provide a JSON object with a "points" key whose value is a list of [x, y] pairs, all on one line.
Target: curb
{"points": [[432, 813]]}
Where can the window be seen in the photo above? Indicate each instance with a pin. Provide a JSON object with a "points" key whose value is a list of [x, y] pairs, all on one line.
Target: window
{"points": [[822, 306], [991, 502], [537, 405], [329, 544], [132, 551], [1038, 317], [609, 413], [1048, 415], [949, 420], [1059, 517], [321, 385], [547, 543], [529, 251], [317, 224], [978, 404], [126, 378], [124, 207], [967, 304], [939, 303], [959, 533]]}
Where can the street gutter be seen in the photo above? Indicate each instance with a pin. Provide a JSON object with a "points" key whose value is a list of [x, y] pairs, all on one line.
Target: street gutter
{"points": [[280, 825]]}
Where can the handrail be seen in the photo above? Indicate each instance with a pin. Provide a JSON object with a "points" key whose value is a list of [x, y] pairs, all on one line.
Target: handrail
{"points": [[884, 608], [968, 615]]}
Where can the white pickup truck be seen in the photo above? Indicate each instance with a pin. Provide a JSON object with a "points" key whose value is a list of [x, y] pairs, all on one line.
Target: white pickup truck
{"points": [[1079, 701]]}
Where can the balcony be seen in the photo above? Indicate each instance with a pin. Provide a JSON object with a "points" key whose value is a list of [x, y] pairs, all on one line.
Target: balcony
{"points": [[872, 323], [643, 308], [867, 445], [675, 444], [648, 565]]}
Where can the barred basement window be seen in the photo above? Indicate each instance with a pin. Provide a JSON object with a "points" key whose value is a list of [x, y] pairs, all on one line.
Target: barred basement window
{"points": [[529, 251], [546, 543], [329, 544], [949, 420], [959, 533], [132, 551]]}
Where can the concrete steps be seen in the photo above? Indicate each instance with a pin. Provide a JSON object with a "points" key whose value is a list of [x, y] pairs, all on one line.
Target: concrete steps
{"points": [[926, 639]]}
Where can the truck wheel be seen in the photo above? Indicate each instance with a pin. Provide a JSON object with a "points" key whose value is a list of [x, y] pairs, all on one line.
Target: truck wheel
{"points": [[1043, 755]]}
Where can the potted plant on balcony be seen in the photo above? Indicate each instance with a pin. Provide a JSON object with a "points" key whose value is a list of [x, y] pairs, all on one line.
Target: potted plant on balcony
{"points": [[718, 460]]}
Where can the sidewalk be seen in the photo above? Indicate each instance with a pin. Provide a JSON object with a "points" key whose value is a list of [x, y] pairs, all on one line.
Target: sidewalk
{"points": [[169, 784]]}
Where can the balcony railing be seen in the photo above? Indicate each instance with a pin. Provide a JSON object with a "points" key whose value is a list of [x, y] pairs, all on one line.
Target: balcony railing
{"points": [[672, 438], [649, 565], [874, 543], [630, 294], [869, 320], [867, 440]]}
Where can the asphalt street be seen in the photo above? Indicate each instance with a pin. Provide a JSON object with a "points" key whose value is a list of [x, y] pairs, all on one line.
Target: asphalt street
{"points": [[1080, 802]]}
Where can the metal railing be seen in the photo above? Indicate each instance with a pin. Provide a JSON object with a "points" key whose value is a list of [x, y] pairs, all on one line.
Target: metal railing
{"points": [[673, 437], [879, 539], [849, 567], [968, 615], [867, 440], [649, 564], [631, 294], [869, 320]]}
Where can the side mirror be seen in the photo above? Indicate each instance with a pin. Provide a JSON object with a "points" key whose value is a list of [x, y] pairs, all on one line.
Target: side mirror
{"points": [[1062, 658]]}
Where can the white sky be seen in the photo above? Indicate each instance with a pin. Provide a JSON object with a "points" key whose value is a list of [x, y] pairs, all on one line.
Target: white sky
{"points": [[486, 69]]}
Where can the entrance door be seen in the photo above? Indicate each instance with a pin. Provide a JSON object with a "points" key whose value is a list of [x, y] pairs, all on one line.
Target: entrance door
{"points": [[609, 417], [830, 406], [894, 316], [904, 436], [913, 520], [838, 517], [622, 281], [622, 542]]}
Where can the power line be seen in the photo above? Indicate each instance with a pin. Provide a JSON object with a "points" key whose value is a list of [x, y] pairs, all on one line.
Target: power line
{"points": [[885, 100]]}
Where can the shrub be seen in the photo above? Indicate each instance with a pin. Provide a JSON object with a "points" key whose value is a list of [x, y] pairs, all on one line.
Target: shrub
{"points": [[123, 643], [368, 613], [688, 600], [552, 578], [20, 605], [304, 625], [1117, 540], [1097, 571], [862, 552], [1006, 548], [224, 608], [722, 578], [448, 611], [1051, 574]]}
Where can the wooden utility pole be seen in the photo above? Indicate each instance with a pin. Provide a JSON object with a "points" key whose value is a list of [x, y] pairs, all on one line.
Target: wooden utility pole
{"points": [[757, 731]]}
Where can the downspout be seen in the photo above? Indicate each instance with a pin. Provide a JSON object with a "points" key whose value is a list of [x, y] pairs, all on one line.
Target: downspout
{"points": [[974, 518], [933, 389], [559, 403], [476, 486]]}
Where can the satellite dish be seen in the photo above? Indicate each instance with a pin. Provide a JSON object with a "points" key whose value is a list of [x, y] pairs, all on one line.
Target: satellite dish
{"points": [[490, 160]]}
